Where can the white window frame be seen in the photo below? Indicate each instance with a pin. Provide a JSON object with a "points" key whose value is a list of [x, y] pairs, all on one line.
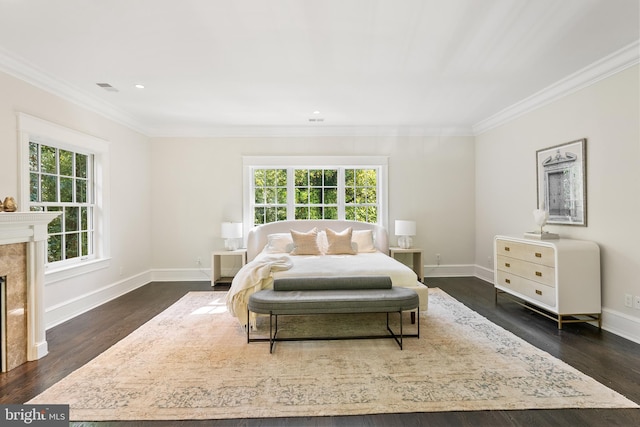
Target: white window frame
{"points": [[41, 131], [250, 163]]}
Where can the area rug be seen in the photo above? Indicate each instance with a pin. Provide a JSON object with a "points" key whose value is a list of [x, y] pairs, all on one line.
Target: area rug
{"points": [[193, 362]]}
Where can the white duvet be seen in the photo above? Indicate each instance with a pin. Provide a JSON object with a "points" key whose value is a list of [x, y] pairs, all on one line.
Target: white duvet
{"points": [[260, 272]]}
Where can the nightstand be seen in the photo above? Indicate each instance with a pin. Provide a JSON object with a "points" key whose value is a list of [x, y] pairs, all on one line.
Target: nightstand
{"points": [[216, 264], [417, 266]]}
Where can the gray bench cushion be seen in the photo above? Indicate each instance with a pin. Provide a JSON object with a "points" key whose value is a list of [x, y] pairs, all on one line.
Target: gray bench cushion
{"points": [[333, 301], [331, 283]]}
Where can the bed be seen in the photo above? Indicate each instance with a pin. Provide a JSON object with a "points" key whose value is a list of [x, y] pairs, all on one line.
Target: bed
{"points": [[316, 248]]}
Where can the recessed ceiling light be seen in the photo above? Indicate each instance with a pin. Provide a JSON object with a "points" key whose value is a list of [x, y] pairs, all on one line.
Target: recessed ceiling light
{"points": [[139, 86], [316, 112]]}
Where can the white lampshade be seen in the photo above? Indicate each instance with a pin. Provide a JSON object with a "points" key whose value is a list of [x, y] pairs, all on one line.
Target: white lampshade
{"points": [[231, 232], [405, 228]]}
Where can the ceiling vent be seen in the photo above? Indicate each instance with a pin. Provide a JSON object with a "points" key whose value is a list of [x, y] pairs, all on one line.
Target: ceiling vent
{"points": [[107, 87], [316, 120]]}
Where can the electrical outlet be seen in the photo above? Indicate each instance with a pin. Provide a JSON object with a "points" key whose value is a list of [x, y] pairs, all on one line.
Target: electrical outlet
{"points": [[628, 300], [198, 261], [636, 302], [437, 259]]}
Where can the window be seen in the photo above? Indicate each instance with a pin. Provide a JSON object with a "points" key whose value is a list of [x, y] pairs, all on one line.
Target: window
{"points": [[287, 188], [62, 181], [65, 171]]}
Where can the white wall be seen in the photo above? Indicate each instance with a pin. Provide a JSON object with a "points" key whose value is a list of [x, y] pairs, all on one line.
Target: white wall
{"points": [[169, 195], [130, 202], [607, 114], [197, 184]]}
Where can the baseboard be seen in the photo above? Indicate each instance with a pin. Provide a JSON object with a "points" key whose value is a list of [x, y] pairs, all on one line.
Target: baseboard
{"points": [[74, 307], [455, 270], [621, 324], [613, 321], [484, 273]]}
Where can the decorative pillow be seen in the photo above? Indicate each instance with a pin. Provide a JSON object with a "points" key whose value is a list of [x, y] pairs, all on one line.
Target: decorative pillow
{"points": [[305, 243], [339, 243], [279, 243], [362, 241]]}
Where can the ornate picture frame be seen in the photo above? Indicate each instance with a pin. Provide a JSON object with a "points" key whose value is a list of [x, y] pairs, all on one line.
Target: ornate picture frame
{"points": [[562, 184]]}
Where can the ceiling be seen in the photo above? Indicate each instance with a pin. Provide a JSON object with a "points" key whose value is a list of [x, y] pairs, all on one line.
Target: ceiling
{"points": [[213, 67]]}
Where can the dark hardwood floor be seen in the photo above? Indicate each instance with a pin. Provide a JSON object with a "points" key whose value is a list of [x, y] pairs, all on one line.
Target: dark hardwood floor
{"points": [[609, 359]]}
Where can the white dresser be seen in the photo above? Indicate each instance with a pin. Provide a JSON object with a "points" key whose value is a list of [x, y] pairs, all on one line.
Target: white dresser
{"points": [[561, 277]]}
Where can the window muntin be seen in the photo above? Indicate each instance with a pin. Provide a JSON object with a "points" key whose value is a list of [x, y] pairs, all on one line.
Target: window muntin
{"points": [[316, 193], [319, 192], [361, 195], [61, 180], [270, 195]]}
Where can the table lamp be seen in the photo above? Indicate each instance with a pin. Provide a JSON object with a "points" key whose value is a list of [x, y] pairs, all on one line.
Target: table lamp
{"points": [[404, 231], [232, 233]]}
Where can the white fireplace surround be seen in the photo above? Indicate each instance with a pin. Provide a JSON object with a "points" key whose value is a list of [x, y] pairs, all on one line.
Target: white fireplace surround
{"points": [[31, 228]]}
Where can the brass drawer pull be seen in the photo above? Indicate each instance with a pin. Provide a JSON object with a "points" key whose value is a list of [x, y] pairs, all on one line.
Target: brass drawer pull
{"points": [[506, 264], [538, 292], [538, 255], [507, 248], [538, 274], [507, 281]]}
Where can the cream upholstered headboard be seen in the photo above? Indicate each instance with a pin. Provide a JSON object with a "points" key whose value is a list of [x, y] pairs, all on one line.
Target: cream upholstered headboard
{"points": [[257, 237]]}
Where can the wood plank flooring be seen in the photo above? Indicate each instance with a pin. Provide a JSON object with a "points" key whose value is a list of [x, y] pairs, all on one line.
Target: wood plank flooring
{"points": [[608, 358]]}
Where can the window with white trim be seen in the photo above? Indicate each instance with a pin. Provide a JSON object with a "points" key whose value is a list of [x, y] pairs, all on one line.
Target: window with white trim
{"points": [[62, 170], [293, 188], [62, 181]]}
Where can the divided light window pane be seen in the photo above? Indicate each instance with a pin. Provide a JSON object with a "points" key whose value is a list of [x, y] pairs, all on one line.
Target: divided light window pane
{"points": [[60, 181], [329, 192]]}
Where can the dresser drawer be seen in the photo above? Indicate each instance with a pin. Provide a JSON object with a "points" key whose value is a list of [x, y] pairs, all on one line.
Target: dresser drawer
{"points": [[528, 252], [528, 270], [534, 291]]}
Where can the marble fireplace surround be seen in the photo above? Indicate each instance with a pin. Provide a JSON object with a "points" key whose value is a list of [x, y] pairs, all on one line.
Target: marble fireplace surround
{"points": [[30, 230]]}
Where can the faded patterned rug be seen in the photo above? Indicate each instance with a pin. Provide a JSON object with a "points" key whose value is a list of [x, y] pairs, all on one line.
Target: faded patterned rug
{"points": [[193, 362]]}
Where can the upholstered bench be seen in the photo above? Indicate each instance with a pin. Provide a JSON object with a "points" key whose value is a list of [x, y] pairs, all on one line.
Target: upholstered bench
{"points": [[333, 295]]}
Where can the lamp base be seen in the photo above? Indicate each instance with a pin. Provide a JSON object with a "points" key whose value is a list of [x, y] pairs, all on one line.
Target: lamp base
{"points": [[405, 242], [540, 236], [231, 244]]}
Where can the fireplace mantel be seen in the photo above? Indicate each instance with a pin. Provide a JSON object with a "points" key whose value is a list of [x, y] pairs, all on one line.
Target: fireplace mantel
{"points": [[31, 228]]}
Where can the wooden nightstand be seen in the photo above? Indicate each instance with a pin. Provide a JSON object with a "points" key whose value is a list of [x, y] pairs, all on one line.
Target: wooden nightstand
{"points": [[418, 267], [216, 264]]}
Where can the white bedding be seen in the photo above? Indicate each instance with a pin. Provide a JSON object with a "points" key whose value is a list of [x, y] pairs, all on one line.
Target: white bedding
{"points": [[259, 274], [362, 264]]}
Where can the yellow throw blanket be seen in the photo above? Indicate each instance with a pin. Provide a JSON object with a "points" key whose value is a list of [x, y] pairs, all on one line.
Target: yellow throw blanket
{"points": [[254, 276]]}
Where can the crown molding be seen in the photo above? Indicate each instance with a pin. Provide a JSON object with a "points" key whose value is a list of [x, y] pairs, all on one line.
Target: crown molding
{"points": [[611, 64], [20, 69], [614, 63]]}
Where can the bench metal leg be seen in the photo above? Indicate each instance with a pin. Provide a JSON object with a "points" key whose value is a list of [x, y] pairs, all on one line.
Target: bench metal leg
{"points": [[393, 334], [273, 332]]}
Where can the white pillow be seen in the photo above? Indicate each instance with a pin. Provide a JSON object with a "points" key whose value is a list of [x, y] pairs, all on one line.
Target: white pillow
{"points": [[278, 243], [362, 241]]}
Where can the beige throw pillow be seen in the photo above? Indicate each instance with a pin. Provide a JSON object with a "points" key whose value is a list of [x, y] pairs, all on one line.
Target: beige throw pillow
{"points": [[339, 243], [305, 243], [362, 241]]}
